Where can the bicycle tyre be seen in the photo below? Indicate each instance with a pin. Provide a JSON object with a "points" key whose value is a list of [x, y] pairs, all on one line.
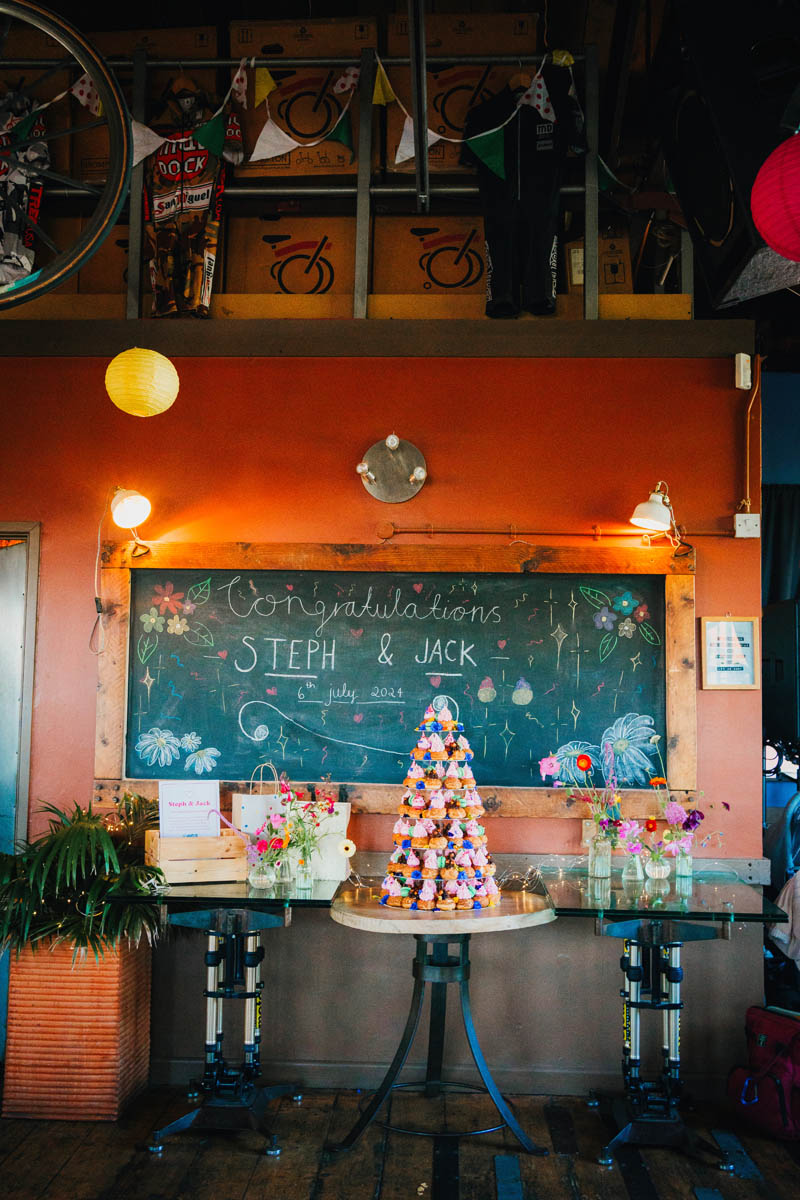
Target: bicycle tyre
{"points": [[116, 186]]}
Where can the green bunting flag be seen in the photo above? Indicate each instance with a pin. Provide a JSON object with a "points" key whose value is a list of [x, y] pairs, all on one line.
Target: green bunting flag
{"points": [[212, 134], [21, 131], [343, 132], [489, 148]]}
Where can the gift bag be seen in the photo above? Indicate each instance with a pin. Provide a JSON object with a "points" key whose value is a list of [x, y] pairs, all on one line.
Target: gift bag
{"points": [[250, 808]]}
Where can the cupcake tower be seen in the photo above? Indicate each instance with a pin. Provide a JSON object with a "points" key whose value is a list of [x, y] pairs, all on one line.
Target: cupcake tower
{"points": [[440, 861]]}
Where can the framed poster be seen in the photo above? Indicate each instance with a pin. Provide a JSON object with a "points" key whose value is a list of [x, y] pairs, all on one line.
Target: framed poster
{"points": [[730, 652]]}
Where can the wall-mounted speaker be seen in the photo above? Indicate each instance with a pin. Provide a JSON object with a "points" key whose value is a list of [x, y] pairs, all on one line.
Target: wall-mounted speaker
{"points": [[724, 74]]}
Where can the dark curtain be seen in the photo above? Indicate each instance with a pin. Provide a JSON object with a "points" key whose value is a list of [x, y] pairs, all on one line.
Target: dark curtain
{"points": [[780, 578]]}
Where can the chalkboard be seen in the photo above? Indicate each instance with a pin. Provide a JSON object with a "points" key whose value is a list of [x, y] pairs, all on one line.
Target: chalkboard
{"points": [[327, 673]]}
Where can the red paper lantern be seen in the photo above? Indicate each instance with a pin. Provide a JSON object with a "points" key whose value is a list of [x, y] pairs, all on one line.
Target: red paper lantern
{"points": [[775, 200]]}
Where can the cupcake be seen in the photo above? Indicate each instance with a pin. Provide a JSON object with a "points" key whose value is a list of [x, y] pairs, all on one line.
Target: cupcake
{"points": [[445, 903], [451, 779], [437, 842], [393, 893], [419, 836], [430, 864], [463, 896], [438, 752], [427, 895]]}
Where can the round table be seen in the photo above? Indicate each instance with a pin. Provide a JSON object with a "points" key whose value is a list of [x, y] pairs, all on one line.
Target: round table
{"points": [[360, 908]]}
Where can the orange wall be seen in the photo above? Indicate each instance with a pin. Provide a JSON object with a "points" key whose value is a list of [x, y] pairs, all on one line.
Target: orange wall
{"points": [[265, 450]]}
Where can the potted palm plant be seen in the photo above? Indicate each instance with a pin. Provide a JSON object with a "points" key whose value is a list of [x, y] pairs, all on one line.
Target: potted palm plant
{"points": [[75, 912]]}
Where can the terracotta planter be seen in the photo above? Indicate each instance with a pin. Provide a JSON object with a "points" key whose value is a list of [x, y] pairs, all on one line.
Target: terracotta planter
{"points": [[78, 1037]]}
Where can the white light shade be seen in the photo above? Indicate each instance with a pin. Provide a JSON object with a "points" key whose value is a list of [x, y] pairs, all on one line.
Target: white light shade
{"points": [[142, 382], [129, 508], [654, 513]]}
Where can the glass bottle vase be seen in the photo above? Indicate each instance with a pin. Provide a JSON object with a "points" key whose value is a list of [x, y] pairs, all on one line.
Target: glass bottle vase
{"points": [[632, 870], [303, 877], [262, 875], [600, 858], [683, 865], [657, 868]]}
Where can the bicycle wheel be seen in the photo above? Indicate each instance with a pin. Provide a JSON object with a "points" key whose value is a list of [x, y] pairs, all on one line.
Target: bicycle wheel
{"points": [[101, 205]]}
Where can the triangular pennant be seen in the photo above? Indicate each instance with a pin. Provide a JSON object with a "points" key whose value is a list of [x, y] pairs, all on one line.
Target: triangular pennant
{"points": [[343, 132], [21, 130], [347, 82], [263, 86], [271, 142], [86, 94], [382, 92], [562, 58], [239, 84], [405, 150], [538, 97], [490, 149], [145, 141], [212, 134]]}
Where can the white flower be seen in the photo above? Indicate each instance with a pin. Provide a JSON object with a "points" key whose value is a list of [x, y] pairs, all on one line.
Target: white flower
{"points": [[202, 760], [190, 741], [177, 624], [158, 747], [347, 848]]}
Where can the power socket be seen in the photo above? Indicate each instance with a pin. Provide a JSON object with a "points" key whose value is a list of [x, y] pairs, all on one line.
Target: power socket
{"points": [[742, 372], [747, 525]]}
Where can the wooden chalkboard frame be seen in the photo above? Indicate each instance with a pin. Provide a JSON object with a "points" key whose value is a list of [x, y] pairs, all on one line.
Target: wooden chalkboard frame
{"points": [[680, 645]]}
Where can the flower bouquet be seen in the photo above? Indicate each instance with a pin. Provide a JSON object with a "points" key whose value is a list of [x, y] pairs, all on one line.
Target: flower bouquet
{"points": [[659, 847], [305, 820], [266, 853], [603, 802]]}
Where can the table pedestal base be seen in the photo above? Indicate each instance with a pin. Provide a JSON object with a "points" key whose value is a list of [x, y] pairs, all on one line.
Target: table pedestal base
{"points": [[439, 969]]}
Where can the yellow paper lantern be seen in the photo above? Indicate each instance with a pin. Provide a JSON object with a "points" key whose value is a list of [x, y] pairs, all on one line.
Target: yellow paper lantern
{"points": [[142, 382]]}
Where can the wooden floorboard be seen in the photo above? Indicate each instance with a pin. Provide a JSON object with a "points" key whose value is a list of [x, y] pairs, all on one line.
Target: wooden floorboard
{"points": [[79, 1160]]}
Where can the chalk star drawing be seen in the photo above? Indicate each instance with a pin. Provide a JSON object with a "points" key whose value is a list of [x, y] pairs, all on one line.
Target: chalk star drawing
{"points": [[148, 682], [636, 659], [508, 736], [557, 723], [550, 602], [575, 712], [530, 660], [617, 688], [573, 604], [559, 634], [283, 742], [578, 652], [160, 668], [139, 714]]}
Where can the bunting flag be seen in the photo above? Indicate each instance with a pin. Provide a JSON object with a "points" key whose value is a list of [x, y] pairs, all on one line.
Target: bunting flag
{"points": [[263, 86], [405, 150], [490, 149], [382, 92], [239, 84], [212, 134], [86, 94], [562, 58], [538, 97], [272, 141], [145, 141], [343, 132], [348, 81], [21, 129]]}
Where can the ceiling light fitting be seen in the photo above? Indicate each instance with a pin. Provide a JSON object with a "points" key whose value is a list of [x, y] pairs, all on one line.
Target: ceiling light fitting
{"points": [[392, 470]]}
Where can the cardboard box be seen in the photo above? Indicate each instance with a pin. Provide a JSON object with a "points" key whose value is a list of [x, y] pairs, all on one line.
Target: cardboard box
{"points": [[90, 149], [290, 255], [342, 37], [421, 255], [220, 859], [106, 272], [613, 263], [304, 104], [467, 33]]}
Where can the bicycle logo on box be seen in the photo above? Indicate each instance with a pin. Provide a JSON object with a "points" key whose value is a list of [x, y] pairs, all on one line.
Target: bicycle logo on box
{"points": [[458, 89], [300, 269], [308, 106], [448, 259]]}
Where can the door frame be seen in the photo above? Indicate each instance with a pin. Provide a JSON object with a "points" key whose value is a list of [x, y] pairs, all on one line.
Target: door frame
{"points": [[31, 532]]}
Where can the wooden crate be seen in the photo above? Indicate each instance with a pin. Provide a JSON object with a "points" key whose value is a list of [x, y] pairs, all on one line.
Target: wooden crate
{"points": [[197, 859], [78, 1044]]}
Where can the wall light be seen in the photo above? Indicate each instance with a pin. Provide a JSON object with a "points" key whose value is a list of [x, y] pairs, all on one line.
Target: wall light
{"points": [[392, 470], [656, 516], [128, 509]]}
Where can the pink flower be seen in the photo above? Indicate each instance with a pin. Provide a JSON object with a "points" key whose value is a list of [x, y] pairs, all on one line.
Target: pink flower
{"points": [[675, 813], [262, 846], [549, 766]]}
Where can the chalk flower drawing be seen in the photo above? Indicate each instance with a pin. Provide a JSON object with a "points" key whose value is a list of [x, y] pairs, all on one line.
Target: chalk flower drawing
{"points": [[642, 613], [166, 598], [630, 738], [190, 741], [152, 621], [177, 625], [567, 757], [202, 760], [158, 747], [625, 603], [605, 619], [626, 628]]}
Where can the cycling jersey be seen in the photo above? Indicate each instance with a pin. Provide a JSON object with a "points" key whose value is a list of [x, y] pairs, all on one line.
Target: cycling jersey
{"points": [[183, 188], [20, 189], [521, 212]]}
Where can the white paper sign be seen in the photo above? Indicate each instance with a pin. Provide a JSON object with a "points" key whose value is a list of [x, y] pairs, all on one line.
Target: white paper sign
{"points": [[188, 808]]}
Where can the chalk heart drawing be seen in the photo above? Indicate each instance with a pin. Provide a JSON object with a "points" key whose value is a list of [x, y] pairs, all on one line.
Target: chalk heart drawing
{"points": [[272, 691], [222, 654], [358, 718], [417, 587], [502, 643], [435, 680], [290, 587], [356, 632]]}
